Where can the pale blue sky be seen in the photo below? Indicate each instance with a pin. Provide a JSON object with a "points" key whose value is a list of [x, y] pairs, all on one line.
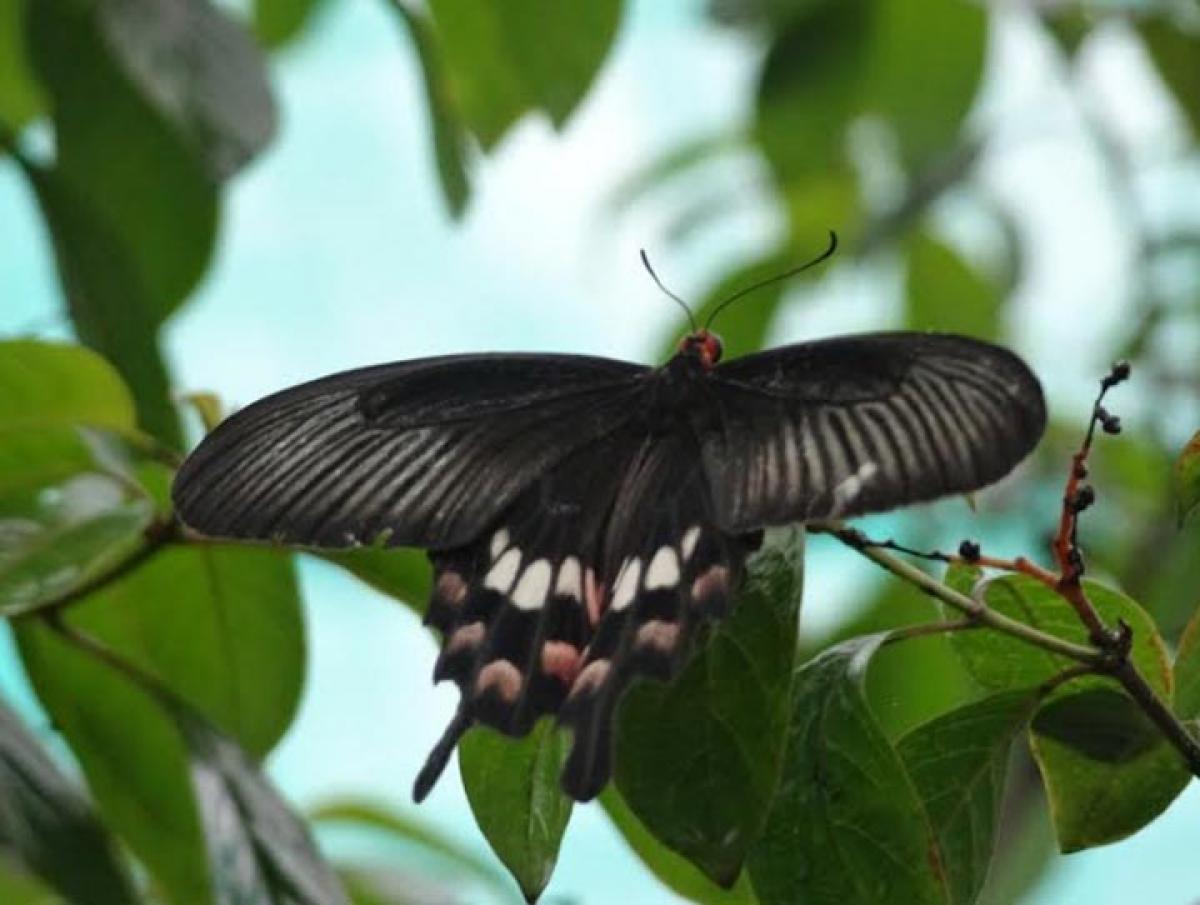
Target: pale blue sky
{"points": [[336, 252]]}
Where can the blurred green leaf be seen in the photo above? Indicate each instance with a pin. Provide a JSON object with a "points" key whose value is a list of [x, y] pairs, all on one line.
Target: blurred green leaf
{"points": [[1187, 671], [279, 22], [676, 872], [451, 140], [219, 626], [999, 662], [697, 760], [502, 64], [109, 304], [49, 823], [514, 792], [1187, 478], [958, 763], [259, 850], [409, 830], [17, 887], [154, 197], [41, 560], [401, 573], [944, 293], [835, 61], [847, 824], [49, 384], [20, 96], [1175, 51], [921, 79], [810, 87]]}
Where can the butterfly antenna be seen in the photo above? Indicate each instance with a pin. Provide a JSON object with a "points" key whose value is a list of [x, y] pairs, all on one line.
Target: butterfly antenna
{"points": [[825, 255], [659, 283]]}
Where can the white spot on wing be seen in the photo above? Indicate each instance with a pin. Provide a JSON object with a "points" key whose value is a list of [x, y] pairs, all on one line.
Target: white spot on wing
{"points": [[499, 543], [663, 571], [570, 579], [690, 539], [848, 489], [627, 582], [530, 592], [504, 572]]}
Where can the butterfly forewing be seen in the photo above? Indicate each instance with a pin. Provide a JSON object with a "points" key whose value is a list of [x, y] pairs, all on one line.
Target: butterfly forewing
{"points": [[423, 453], [864, 424]]}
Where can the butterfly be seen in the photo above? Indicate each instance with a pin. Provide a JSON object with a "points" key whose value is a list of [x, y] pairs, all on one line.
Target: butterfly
{"points": [[586, 517]]}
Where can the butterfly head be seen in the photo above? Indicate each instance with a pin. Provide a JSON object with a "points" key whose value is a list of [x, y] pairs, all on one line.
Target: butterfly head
{"points": [[703, 345]]}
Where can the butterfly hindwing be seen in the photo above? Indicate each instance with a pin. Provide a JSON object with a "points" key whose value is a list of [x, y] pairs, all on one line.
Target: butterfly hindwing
{"points": [[864, 424]]}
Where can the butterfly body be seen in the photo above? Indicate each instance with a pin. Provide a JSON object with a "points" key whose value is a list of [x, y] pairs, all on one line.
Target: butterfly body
{"points": [[586, 518]]}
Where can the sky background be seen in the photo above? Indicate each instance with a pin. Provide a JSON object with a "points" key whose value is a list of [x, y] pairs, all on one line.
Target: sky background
{"points": [[336, 251]]}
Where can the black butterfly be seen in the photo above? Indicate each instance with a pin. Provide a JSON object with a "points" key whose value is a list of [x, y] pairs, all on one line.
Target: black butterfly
{"points": [[585, 516]]}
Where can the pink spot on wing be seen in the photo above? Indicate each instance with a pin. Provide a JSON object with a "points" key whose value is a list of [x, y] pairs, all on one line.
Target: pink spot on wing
{"points": [[502, 677], [591, 678], [713, 582], [561, 659], [658, 634], [465, 638], [451, 588]]}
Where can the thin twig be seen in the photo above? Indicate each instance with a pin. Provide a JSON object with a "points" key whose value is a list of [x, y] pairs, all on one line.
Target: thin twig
{"points": [[973, 609], [1158, 711]]}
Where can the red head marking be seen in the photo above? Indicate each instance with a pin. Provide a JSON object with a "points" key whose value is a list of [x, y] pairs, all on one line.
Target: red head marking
{"points": [[704, 345]]}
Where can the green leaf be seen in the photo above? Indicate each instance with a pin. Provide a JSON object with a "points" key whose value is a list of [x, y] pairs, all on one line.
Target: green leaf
{"points": [[48, 822], [501, 64], [1176, 54], [958, 763], [279, 22], [42, 560], [945, 294], [451, 140], [911, 683], [515, 796], [1108, 771], [401, 573], [259, 850], [1095, 797], [999, 662], [20, 96], [49, 384], [219, 626], [412, 831], [847, 824], [698, 760], [1187, 479], [676, 872]]}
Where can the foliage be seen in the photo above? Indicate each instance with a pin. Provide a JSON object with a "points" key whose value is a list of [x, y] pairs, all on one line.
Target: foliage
{"points": [[869, 765]]}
